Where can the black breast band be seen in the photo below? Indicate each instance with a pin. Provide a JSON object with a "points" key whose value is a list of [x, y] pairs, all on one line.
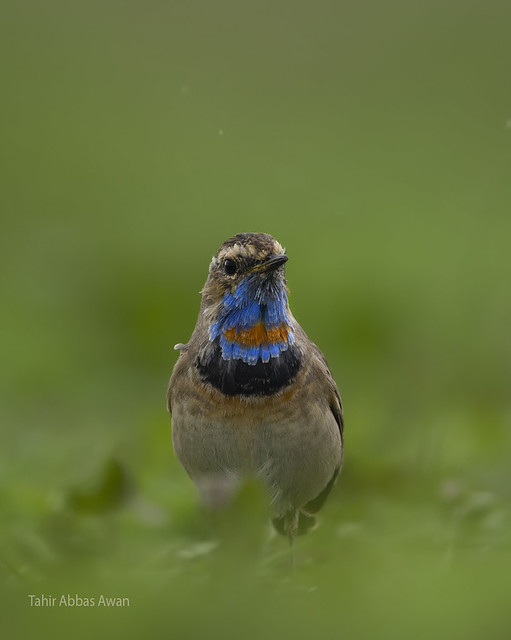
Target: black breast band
{"points": [[235, 377]]}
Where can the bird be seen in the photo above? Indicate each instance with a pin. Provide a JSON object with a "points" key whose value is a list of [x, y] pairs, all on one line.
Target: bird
{"points": [[251, 395]]}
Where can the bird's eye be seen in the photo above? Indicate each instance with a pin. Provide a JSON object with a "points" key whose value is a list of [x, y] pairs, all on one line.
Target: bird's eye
{"points": [[230, 267]]}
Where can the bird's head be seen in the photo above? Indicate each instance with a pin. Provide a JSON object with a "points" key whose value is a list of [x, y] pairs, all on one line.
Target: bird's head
{"points": [[244, 300], [251, 261]]}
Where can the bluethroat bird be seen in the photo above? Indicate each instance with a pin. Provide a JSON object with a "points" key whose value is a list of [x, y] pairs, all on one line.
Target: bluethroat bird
{"points": [[252, 395]]}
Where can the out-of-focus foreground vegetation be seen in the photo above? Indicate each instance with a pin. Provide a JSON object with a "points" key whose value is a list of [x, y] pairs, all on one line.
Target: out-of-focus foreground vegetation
{"points": [[374, 141]]}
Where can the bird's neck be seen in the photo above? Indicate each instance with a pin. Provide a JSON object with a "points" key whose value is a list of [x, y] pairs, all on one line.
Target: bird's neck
{"points": [[251, 348], [253, 326]]}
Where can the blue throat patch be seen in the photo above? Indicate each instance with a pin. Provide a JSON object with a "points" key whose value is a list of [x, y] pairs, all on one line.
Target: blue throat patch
{"points": [[252, 323]]}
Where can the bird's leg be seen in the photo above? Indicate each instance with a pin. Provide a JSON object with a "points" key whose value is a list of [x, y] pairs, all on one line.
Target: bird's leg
{"points": [[292, 519], [292, 554]]}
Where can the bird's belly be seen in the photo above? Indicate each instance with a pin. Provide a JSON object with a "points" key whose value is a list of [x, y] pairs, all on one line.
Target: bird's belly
{"points": [[293, 449]]}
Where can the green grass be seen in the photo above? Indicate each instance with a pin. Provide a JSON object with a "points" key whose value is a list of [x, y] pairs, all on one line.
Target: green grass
{"points": [[373, 141]]}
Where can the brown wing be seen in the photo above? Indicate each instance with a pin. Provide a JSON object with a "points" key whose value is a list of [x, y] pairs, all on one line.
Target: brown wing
{"points": [[182, 348], [335, 398], [335, 405], [304, 519]]}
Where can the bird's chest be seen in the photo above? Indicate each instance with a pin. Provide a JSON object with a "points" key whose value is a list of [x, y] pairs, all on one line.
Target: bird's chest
{"points": [[236, 434], [286, 441]]}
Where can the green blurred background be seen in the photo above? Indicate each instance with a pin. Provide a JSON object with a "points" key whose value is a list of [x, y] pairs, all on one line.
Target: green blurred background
{"points": [[373, 139]]}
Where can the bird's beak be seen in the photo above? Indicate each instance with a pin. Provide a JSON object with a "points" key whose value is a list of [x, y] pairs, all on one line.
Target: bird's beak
{"points": [[271, 263]]}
